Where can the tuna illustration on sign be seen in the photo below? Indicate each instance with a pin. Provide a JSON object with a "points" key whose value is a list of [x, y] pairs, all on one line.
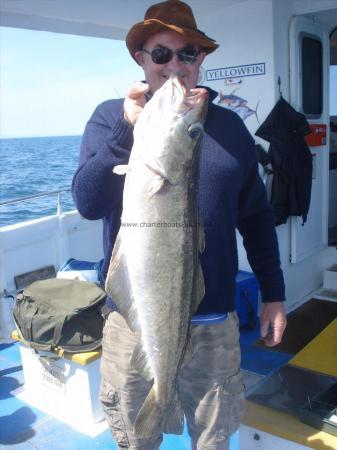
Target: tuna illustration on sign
{"points": [[238, 105], [155, 277], [232, 81]]}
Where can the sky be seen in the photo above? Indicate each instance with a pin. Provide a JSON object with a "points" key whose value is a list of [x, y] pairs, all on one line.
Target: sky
{"points": [[51, 83]]}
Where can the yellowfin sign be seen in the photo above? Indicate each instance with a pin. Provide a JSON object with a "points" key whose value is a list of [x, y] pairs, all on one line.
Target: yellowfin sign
{"points": [[247, 70]]}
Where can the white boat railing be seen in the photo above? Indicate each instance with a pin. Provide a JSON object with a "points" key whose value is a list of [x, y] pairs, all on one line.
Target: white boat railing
{"points": [[40, 194], [50, 240]]}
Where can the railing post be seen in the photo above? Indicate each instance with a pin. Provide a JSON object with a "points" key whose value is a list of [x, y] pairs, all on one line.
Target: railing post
{"points": [[40, 194], [59, 204]]}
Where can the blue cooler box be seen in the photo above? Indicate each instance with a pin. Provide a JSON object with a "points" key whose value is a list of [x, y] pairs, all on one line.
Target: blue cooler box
{"points": [[247, 294]]}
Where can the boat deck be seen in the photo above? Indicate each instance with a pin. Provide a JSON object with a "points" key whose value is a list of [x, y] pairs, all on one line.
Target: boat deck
{"points": [[23, 427]]}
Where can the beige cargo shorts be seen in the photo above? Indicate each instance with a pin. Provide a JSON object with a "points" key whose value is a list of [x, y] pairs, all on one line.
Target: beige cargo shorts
{"points": [[210, 385]]}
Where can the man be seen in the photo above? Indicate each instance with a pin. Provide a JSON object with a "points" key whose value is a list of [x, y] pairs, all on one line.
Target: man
{"points": [[231, 194]]}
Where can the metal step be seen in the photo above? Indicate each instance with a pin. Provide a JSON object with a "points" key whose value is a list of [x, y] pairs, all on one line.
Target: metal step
{"points": [[330, 278], [326, 294]]}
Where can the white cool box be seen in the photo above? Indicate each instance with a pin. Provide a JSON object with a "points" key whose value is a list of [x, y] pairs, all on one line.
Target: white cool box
{"points": [[67, 389]]}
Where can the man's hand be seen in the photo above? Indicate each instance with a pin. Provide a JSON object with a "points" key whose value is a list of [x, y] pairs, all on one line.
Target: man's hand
{"points": [[273, 322], [135, 101]]}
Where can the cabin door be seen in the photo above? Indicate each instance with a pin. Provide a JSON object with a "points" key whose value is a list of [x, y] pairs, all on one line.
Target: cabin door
{"points": [[309, 68], [333, 141]]}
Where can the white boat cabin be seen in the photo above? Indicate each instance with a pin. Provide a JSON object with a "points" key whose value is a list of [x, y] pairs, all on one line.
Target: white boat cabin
{"points": [[268, 48]]}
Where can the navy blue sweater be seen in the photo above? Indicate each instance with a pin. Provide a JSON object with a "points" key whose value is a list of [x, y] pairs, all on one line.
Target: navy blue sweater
{"points": [[231, 195]]}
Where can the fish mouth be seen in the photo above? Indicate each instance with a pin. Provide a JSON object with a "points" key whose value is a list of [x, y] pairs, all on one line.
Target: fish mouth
{"points": [[197, 97], [180, 78], [179, 82], [181, 99], [191, 96]]}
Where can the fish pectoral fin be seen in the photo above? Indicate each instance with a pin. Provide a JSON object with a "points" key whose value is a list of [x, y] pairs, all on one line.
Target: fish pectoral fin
{"points": [[167, 173], [156, 185], [121, 169], [174, 418], [140, 362], [118, 287], [149, 416]]}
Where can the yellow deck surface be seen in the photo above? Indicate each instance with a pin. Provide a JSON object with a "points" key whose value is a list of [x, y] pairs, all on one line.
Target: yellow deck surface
{"points": [[319, 355], [79, 358], [287, 427]]}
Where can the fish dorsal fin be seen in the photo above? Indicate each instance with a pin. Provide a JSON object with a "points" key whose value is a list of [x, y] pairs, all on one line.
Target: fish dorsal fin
{"points": [[199, 285], [201, 236], [118, 287], [233, 91], [188, 351], [198, 290]]}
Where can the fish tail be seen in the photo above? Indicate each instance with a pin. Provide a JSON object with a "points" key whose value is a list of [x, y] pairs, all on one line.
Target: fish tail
{"points": [[151, 417]]}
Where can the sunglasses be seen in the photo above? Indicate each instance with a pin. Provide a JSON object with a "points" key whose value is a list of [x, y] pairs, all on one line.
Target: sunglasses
{"points": [[162, 55]]}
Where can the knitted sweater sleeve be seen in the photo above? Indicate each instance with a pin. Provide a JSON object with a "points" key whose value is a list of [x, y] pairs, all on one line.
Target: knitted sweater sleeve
{"points": [[257, 227], [106, 143]]}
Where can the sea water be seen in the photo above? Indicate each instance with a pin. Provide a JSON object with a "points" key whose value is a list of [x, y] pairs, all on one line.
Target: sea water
{"points": [[30, 166]]}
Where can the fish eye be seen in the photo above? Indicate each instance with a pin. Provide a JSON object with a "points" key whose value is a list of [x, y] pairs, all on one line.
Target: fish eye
{"points": [[195, 130]]}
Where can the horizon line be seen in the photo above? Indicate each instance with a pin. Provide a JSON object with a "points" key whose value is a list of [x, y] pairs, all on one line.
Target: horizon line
{"points": [[40, 136]]}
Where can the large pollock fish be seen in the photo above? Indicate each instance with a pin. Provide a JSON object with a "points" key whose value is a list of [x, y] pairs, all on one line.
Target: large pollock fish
{"points": [[155, 277]]}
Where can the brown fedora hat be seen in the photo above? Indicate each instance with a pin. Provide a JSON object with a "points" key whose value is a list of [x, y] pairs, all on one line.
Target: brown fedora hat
{"points": [[173, 15]]}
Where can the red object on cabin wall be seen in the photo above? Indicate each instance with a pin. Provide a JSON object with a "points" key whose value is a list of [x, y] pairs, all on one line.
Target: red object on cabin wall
{"points": [[317, 137]]}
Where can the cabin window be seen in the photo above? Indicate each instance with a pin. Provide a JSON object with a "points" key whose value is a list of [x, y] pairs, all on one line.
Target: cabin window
{"points": [[312, 70]]}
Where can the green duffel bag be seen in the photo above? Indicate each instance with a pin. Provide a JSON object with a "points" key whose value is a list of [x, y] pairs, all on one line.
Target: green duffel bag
{"points": [[60, 314]]}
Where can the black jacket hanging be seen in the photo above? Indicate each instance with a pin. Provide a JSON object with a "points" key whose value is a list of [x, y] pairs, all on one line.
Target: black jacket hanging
{"points": [[291, 161]]}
